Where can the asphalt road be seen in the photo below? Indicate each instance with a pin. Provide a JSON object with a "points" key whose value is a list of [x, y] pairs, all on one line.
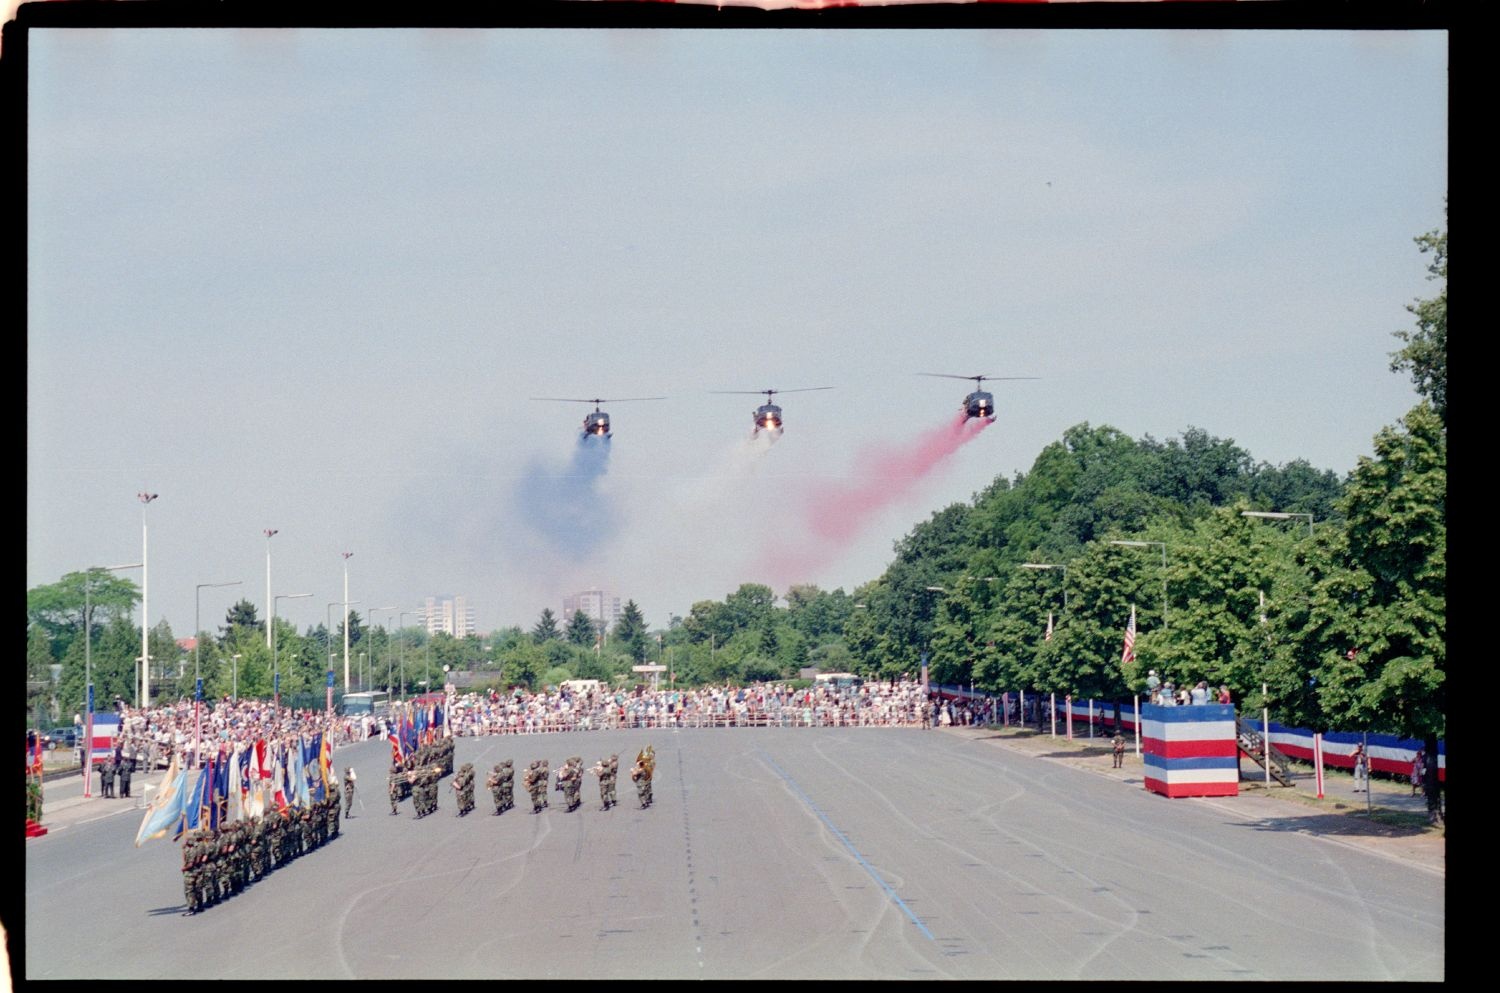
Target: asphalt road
{"points": [[856, 853]]}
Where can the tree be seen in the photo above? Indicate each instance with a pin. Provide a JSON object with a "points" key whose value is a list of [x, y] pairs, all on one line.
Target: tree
{"points": [[57, 608], [546, 627], [630, 631], [1390, 671], [1425, 353], [241, 616], [580, 630]]}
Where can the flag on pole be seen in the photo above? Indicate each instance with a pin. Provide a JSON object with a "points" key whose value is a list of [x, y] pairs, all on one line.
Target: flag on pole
{"points": [[325, 762], [395, 746], [1128, 655], [165, 809], [1048, 635], [236, 788]]}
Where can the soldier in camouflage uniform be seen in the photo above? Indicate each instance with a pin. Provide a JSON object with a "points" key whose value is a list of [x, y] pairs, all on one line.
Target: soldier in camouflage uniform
{"points": [[507, 785], [600, 770], [189, 864], [463, 785], [492, 783], [396, 780], [529, 780], [642, 779], [107, 777], [614, 778], [573, 785], [348, 791]]}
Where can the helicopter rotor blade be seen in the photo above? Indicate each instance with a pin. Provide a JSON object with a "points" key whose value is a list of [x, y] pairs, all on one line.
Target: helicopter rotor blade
{"points": [[596, 400]]}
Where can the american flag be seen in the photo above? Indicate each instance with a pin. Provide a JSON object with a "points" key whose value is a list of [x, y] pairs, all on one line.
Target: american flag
{"points": [[1048, 635], [1128, 655]]}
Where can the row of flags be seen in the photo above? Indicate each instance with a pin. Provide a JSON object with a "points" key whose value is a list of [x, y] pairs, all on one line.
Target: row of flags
{"points": [[240, 784], [413, 725]]}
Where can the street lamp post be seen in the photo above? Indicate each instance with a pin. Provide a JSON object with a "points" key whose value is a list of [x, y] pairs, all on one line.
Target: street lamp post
{"points": [[275, 662], [197, 676], [364, 670], [1052, 565], [88, 670], [1278, 516], [1148, 544], [143, 689], [328, 625], [269, 532], [347, 601]]}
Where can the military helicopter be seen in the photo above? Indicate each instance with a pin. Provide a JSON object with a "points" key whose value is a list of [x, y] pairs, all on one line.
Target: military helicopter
{"points": [[768, 415], [596, 424], [979, 403]]}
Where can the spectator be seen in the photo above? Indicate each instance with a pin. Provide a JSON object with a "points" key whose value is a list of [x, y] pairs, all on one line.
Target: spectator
{"points": [[1361, 770], [1200, 693], [1418, 770], [1224, 697]]}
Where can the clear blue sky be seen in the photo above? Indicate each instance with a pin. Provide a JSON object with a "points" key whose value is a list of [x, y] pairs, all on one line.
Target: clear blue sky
{"points": [[308, 280]]}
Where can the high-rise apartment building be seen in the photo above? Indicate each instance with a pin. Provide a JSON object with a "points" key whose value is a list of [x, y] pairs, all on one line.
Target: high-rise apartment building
{"points": [[600, 605], [449, 614]]}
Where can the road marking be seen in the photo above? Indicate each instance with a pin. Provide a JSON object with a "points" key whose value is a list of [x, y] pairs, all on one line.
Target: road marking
{"points": [[842, 838]]}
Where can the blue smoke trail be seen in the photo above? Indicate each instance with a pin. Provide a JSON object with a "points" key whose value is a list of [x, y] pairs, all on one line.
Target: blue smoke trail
{"points": [[563, 506]]}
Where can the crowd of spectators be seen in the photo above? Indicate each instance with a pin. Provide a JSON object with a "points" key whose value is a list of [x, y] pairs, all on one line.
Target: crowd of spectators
{"points": [[877, 704], [148, 737]]}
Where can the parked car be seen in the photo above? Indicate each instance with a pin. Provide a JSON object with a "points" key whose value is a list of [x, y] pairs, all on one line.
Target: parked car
{"points": [[61, 737]]}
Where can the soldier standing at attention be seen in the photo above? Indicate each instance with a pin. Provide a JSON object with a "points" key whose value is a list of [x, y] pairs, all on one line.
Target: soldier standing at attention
{"points": [[348, 791], [1119, 743], [106, 777], [124, 768]]}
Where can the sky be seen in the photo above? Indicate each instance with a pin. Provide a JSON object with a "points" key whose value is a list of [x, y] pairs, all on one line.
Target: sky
{"points": [[310, 281]]}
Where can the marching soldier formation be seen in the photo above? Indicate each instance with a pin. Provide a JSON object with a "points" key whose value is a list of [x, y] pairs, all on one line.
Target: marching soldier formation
{"points": [[218, 864], [570, 780]]}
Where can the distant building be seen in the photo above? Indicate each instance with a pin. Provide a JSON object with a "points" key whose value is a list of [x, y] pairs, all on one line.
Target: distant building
{"points": [[449, 615], [600, 605]]}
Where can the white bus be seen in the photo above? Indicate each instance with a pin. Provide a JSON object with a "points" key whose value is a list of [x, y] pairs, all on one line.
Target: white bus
{"points": [[374, 703]]}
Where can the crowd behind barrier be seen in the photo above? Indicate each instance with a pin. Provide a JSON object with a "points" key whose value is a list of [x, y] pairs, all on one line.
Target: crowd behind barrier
{"points": [[148, 737], [899, 703], [1388, 753]]}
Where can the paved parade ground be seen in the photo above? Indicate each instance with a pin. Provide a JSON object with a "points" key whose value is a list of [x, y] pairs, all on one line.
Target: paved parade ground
{"points": [[855, 853]]}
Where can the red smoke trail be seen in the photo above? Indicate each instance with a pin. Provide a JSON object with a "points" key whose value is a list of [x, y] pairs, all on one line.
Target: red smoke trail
{"points": [[835, 513]]}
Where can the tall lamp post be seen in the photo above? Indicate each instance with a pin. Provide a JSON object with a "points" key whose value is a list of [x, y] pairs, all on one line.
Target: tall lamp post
{"points": [[275, 664], [197, 677], [328, 617], [364, 670], [88, 670], [143, 691], [347, 601], [1148, 544], [269, 533], [1277, 516]]}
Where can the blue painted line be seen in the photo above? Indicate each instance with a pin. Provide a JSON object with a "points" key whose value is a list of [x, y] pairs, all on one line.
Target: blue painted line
{"points": [[843, 838]]}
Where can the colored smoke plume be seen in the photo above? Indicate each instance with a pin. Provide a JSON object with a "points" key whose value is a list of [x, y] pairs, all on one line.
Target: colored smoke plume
{"points": [[563, 506], [835, 513]]}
